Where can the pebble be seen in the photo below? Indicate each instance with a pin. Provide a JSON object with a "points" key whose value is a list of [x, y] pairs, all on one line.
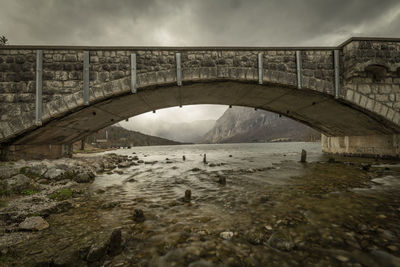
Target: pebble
{"points": [[342, 258], [226, 235], [268, 227]]}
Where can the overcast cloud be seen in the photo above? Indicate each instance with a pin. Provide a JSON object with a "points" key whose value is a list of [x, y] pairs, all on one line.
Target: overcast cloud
{"points": [[196, 23]]}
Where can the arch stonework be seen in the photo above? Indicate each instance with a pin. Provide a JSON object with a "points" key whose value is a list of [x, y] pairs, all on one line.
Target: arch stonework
{"points": [[264, 78]]}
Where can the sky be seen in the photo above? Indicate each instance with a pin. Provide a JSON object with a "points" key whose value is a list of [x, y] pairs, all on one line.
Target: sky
{"points": [[196, 23]]}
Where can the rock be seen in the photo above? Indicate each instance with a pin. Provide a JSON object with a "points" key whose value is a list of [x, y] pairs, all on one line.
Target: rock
{"points": [[212, 165], [281, 241], [385, 259], [43, 181], [138, 215], [110, 205], [135, 158], [183, 158], [67, 258], [268, 227], [8, 172], [34, 223], [365, 166], [97, 251], [230, 156], [168, 162], [130, 180], [100, 191], [17, 183], [331, 160], [195, 169], [140, 161], [342, 258], [115, 243], [226, 235], [255, 237], [222, 180], [84, 177], [124, 164], [54, 174], [303, 156]]}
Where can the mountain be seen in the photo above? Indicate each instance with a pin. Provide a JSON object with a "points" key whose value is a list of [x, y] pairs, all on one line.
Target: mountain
{"points": [[187, 132], [117, 136], [242, 124]]}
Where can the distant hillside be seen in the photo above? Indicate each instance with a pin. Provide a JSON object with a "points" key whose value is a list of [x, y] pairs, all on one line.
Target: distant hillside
{"points": [[190, 132], [118, 136], [241, 124]]}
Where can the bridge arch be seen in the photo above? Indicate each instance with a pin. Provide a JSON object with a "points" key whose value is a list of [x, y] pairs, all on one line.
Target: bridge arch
{"points": [[88, 88]]}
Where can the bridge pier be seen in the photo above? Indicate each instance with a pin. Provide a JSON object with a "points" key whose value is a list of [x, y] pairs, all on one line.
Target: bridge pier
{"points": [[381, 146], [35, 152]]}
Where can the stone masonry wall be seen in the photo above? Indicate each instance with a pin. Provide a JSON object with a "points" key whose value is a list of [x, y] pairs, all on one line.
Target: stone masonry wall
{"points": [[372, 77], [110, 76]]}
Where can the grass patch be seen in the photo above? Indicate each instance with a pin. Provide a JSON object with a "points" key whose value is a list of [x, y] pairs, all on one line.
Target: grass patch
{"points": [[29, 192], [3, 203], [4, 260], [4, 193], [62, 194]]}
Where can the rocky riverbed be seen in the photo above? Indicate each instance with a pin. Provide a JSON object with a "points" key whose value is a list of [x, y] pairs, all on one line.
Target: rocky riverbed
{"points": [[140, 209]]}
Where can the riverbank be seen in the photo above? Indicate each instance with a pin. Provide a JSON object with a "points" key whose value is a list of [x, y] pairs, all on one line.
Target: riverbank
{"points": [[243, 209]]}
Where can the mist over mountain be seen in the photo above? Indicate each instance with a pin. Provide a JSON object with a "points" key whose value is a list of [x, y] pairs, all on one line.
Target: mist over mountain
{"points": [[242, 124], [187, 132]]}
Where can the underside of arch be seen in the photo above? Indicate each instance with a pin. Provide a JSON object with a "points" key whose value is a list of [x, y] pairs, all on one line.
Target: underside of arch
{"points": [[317, 110]]}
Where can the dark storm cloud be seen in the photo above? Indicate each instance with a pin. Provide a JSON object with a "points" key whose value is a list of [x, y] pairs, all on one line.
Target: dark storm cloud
{"points": [[196, 22]]}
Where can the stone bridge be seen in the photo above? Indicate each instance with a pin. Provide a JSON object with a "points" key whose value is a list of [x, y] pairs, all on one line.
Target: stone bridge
{"points": [[52, 96]]}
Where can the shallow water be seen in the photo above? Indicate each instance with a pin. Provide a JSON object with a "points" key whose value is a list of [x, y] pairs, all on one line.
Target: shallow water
{"points": [[272, 211]]}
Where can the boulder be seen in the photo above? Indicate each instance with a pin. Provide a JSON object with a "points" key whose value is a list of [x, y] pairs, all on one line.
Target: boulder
{"points": [[8, 172], [84, 177], [34, 223], [39, 169], [54, 174], [17, 183]]}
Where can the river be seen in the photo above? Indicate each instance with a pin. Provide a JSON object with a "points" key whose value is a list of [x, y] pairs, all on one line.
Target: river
{"points": [[250, 205]]}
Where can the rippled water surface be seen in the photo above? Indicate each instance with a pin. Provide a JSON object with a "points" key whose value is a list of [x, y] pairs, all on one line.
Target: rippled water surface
{"points": [[272, 211]]}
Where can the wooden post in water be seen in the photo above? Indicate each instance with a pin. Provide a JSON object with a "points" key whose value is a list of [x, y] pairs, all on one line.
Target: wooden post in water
{"points": [[303, 156], [205, 159], [83, 144]]}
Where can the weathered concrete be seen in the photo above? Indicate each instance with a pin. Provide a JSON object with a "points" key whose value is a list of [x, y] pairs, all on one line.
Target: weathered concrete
{"points": [[364, 146], [17, 152], [367, 104]]}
